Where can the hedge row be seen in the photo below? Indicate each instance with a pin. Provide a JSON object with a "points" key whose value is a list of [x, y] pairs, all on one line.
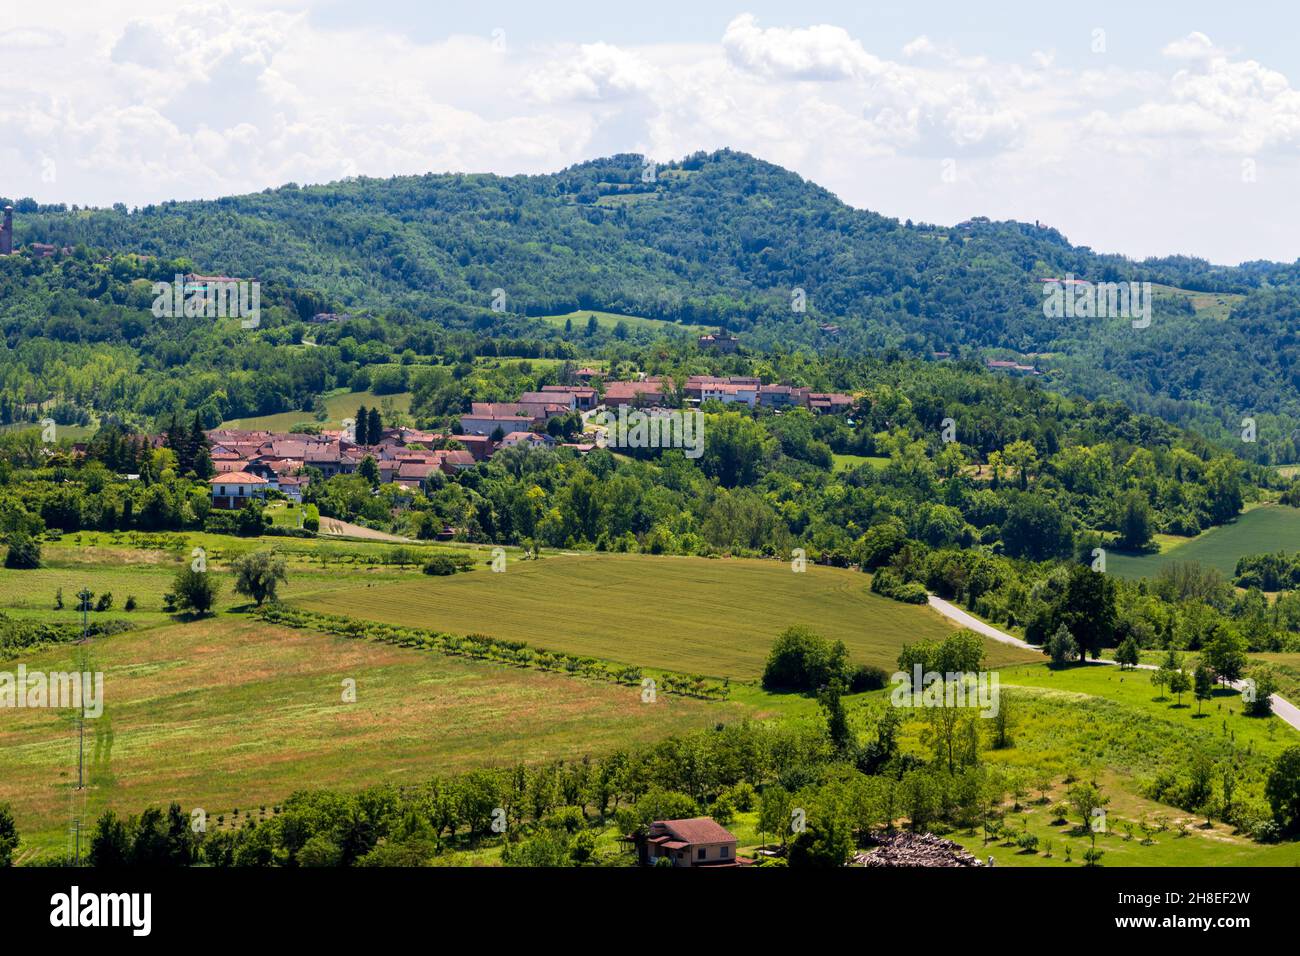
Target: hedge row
{"points": [[481, 647]]}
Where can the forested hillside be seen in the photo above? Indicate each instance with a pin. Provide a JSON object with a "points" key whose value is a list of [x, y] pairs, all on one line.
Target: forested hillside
{"points": [[719, 239]]}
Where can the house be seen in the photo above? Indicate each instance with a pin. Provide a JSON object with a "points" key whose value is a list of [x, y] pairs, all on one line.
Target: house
{"points": [[584, 396], [729, 393], [527, 439], [292, 487], [236, 489], [480, 446], [829, 403], [722, 342], [782, 396], [567, 399], [633, 393], [699, 841], [997, 365]]}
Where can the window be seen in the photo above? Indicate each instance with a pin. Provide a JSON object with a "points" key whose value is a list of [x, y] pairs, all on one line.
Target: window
{"points": [[700, 853], [221, 489], [723, 850]]}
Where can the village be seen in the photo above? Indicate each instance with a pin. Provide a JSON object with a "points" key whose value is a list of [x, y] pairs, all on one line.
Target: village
{"points": [[249, 464]]}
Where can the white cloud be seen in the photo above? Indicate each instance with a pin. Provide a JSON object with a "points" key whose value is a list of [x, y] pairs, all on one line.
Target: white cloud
{"points": [[821, 52], [214, 98]]}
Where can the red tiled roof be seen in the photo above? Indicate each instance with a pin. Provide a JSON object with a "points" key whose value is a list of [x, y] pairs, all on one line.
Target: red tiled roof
{"points": [[237, 478], [697, 830]]}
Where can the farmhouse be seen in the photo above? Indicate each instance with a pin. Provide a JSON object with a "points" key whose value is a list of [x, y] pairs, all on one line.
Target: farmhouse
{"points": [[699, 841], [236, 489]]}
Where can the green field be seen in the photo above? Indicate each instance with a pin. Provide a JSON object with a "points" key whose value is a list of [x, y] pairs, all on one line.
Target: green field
{"points": [[608, 320], [692, 615], [233, 713], [338, 407], [1100, 720], [849, 462], [1267, 528]]}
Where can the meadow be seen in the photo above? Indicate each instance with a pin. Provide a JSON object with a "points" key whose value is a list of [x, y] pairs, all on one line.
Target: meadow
{"points": [[691, 615], [231, 712], [610, 320], [1266, 528], [337, 407]]}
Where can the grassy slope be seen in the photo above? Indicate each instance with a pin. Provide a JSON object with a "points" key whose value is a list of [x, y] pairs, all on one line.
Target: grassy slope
{"points": [[230, 712], [1267, 528], [608, 320], [338, 408], [684, 614]]}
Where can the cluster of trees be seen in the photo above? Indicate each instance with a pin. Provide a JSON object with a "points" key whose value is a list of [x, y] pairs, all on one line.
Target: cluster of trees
{"points": [[818, 797]]}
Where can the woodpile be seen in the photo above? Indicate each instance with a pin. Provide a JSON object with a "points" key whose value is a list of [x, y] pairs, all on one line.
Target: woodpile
{"points": [[916, 849]]}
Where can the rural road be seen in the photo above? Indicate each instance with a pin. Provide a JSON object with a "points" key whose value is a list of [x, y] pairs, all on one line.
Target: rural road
{"points": [[1282, 707]]}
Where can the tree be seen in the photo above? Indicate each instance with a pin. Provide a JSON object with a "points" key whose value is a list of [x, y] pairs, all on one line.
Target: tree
{"points": [[1061, 647], [804, 662], [258, 574], [1282, 790], [1160, 680], [24, 551], [1225, 653], [1202, 685], [361, 428], [1088, 609], [110, 846], [374, 427], [1134, 520], [1085, 798], [369, 470], [1179, 684], [1036, 529], [1127, 654], [837, 721], [195, 591], [8, 836], [1260, 703]]}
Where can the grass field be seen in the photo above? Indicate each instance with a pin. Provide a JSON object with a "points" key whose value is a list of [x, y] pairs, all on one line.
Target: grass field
{"points": [[608, 320], [233, 713], [692, 615], [849, 462], [1267, 528], [338, 407]]}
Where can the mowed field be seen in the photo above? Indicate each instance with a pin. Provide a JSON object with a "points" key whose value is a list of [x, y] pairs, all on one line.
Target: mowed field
{"points": [[609, 320], [232, 713], [693, 615], [1267, 528], [338, 407]]}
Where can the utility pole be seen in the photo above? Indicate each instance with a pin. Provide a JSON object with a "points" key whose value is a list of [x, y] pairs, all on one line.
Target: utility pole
{"points": [[85, 594]]}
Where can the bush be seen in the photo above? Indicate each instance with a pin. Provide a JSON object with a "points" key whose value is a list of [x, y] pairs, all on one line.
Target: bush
{"points": [[802, 661], [444, 564], [105, 601], [889, 583], [130, 604], [24, 551]]}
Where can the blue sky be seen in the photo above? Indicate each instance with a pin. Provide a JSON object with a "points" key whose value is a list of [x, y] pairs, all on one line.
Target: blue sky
{"points": [[1146, 129]]}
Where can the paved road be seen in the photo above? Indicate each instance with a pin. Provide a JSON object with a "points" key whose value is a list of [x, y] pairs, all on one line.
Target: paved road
{"points": [[1288, 711]]}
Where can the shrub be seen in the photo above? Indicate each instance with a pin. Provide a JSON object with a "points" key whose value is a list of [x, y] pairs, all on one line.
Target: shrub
{"points": [[24, 551], [444, 564]]}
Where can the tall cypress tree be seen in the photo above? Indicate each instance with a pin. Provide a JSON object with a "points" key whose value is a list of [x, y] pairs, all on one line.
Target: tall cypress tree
{"points": [[363, 425]]}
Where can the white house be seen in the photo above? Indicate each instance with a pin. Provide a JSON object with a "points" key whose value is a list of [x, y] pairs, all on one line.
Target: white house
{"points": [[236, 489]]}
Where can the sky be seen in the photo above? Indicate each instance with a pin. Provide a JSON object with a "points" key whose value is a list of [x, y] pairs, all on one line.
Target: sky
{"points": [[1144, 129]]}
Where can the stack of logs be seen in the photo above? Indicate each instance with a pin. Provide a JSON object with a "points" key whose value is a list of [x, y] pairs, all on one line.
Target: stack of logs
{"points": [[916, 849]]}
